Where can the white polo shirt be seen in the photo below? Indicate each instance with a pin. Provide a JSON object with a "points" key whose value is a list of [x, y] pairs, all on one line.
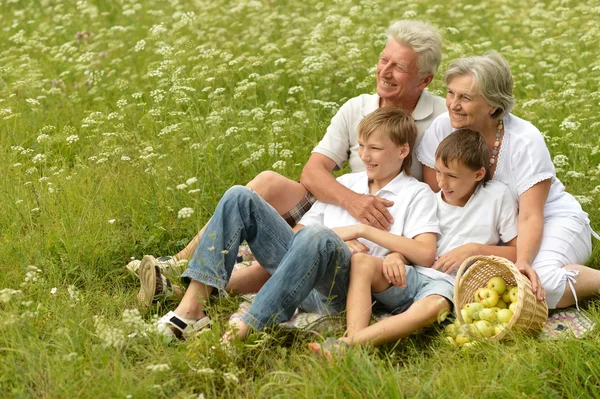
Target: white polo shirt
{"points": [[414, 210], [340, 142], [489, 217]]}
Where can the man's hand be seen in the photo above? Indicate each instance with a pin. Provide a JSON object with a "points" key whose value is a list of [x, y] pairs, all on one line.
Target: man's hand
{"points": [[394, 270], [536, 284], [451, 261], [356, 247], [371, 210]]}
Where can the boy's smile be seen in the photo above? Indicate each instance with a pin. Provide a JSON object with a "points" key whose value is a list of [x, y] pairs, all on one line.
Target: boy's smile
{"points": [[456, 181]]}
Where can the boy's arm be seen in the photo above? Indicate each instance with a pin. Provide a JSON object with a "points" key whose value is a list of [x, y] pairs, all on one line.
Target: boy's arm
{"points": [[419, 250], [451, 261]]}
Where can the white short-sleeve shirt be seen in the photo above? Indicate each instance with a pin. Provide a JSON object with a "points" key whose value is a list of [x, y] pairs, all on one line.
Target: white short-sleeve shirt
{"points": [[414, 210], [340, 142], [523, 161], [489, 217]]}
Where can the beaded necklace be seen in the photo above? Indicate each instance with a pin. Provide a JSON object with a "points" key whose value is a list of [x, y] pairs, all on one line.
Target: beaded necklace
{"points": [[497, 143]]}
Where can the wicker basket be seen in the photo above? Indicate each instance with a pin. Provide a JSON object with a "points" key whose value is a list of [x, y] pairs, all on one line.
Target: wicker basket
{"points": [[529, 315]]}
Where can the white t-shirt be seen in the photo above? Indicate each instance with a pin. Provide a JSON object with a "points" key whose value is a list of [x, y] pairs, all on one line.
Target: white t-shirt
{"points": [[489, 217], [340, 142], [523, 161], [414, 210]]}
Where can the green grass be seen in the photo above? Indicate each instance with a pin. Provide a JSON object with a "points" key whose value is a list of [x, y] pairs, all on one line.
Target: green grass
{"points": [[124, 102]]}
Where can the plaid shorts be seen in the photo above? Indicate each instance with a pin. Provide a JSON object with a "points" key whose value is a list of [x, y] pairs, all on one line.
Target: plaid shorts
{"points": [[293, 216]]}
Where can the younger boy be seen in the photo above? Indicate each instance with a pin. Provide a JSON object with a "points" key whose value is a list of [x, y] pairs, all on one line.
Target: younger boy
{"points": [[317, 257], [474, 214]]}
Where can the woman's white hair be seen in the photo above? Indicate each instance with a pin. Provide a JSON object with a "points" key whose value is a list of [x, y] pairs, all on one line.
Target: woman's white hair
{"points": [[491, 78], [424, 39]]}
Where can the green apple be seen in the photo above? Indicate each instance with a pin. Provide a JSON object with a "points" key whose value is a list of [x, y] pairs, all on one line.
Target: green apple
{"points": [[506, 294], [488, 297], [504, 315], [514, 294], [513, 307], [473, 309], [501, 304], [484, 328], [451, 331], [465, 315], [498, 284], [488, 314], [462, 339], [498, 328]]}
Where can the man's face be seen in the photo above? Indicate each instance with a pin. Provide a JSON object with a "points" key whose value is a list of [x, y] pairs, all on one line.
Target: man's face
{"points": [[398, 78]]}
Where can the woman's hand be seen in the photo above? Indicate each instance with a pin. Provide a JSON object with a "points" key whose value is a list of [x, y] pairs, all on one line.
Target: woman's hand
{"points": [[536, 284], [394, 269], [451, 261], [356, 247]]}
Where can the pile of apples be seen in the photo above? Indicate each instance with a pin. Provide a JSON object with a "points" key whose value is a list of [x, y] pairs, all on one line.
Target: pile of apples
{"points": [[489, 314]]}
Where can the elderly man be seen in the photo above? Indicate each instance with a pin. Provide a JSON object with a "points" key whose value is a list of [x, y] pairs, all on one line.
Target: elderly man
{"points": [[406, 66]]}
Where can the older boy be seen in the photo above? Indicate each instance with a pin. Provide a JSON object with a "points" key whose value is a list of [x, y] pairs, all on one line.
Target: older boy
{"points": [[315, 257], [474, 214]]}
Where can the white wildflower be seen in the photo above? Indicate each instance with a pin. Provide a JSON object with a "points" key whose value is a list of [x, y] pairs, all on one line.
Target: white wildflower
{"points": [[278, 165], [191, 181], [74, 294], [181, 186], [185, 213], [6, 294], [72, 139], [139, 46], [231, 378], [38, 158], [158, 367], [560, 161], [583, 200], [53, 290]]}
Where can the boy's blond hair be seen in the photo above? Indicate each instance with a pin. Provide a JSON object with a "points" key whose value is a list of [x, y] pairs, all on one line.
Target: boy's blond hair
{"points": [[396, 124], [467, 147]]}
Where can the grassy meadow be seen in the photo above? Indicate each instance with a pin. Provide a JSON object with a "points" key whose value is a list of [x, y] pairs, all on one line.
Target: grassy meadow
{"points": [[122, 122]]}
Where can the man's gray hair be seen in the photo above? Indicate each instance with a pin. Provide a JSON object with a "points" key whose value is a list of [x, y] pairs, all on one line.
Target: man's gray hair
{"points": [[424, 39], [491, 78]]}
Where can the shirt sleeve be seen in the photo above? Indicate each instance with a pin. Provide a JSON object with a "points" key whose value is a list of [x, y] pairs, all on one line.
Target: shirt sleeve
{"points": [[432, 137], [336, 142], [507, 216], [421, 215], [531, 160]]}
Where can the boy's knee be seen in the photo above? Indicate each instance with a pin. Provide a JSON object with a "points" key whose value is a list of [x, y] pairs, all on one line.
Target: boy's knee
{"points": [[438, 302], [361, 265], [236, 193]]}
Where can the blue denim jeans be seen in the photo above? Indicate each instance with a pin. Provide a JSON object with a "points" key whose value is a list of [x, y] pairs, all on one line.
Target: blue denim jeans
{"points": [[313, 258]]}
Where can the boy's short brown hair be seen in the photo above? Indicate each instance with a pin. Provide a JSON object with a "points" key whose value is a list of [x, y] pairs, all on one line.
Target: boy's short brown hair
{"points": [[396, 124], [467, 147]]}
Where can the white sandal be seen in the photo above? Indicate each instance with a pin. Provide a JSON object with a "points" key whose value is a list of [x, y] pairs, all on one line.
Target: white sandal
{"points": [[176, 326]]}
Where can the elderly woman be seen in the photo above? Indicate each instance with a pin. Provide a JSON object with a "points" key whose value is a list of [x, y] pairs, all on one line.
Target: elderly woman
{"points": [[554, 234]]}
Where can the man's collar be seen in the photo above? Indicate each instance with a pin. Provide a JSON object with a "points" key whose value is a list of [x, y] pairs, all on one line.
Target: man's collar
{"points": [[424, 107]]}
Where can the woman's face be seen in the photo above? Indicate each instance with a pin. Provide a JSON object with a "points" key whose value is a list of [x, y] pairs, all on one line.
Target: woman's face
{"points": [[398, 78], [467, 108]]}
